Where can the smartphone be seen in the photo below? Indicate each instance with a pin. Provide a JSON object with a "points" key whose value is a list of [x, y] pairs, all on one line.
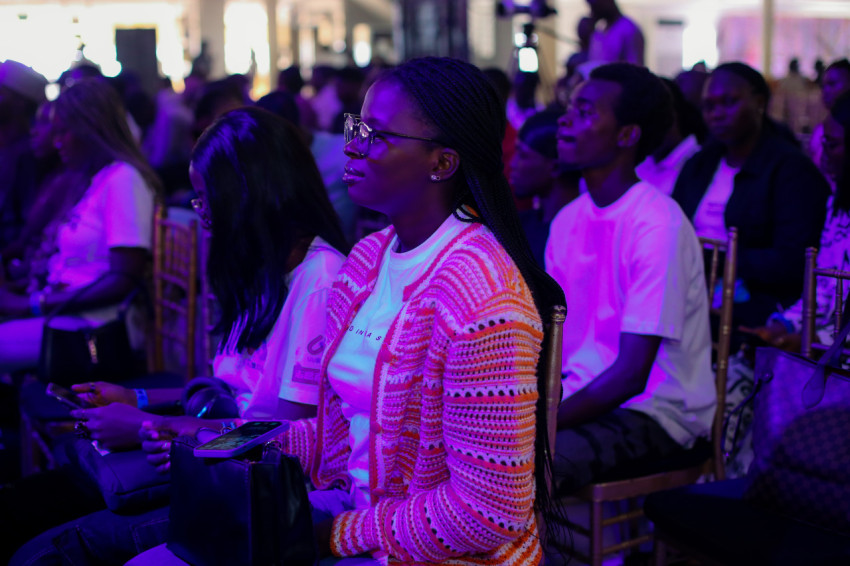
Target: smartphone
{"points": [[241, 439], [67, 397]]}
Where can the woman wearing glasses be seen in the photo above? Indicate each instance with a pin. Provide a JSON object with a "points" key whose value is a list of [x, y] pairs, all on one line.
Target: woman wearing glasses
{"points": [[426, 446], [428, 441]]}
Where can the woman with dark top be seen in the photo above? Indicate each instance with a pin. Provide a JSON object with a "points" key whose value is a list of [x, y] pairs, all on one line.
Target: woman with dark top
{"points": [[749, 176]]}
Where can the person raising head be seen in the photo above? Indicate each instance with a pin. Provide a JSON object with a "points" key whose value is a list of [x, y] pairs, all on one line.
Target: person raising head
{"points": [[535, 172], [406, 448], [749, 176], [637, 351]]}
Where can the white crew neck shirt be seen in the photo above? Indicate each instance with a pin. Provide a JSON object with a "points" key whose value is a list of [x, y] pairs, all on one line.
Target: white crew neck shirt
{"points": [[636, 266], [709, 221], [351, 369], [287, 364]]}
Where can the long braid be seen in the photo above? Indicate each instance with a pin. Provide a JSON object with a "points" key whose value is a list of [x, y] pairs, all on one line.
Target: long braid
{"points": [[457, 99]]}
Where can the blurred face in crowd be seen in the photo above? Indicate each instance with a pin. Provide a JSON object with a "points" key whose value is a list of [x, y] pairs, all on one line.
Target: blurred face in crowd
{"points": [[832, 158], [531, 172], [71, 148], [588, 132], [835, 83], [392, 174], [41, 133], [732, 111], [602, 9]]}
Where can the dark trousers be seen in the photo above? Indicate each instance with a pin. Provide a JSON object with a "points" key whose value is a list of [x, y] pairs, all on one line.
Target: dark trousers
{"points": [[610, 446]]}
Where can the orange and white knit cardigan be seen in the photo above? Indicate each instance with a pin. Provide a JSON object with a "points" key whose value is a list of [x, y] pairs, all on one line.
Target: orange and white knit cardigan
{"points": [[451, 439]]}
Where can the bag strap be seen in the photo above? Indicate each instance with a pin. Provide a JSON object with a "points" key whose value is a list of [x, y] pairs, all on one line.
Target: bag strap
{"points": [[815, 389], [125, 304]]}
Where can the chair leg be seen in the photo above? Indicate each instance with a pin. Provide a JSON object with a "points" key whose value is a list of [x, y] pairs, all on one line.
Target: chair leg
{"points": [[596, 533], [659, 553]]}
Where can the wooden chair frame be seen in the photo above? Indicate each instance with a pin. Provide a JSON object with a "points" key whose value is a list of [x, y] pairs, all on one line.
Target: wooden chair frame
{"points": [[627, 491], [175, 276], [809, 347]]}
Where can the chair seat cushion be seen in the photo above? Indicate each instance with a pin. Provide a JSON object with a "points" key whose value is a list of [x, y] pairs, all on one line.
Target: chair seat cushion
{"points": [[714, 520]]}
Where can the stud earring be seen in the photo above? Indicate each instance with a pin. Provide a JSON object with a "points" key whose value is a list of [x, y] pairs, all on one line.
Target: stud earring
{"points": [[435, 178]]}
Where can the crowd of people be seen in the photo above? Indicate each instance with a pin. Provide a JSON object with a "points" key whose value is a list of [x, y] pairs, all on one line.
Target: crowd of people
{"points": [[386, 247]]}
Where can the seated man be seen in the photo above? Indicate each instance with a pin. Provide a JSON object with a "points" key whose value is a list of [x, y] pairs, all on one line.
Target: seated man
{"points": [[637, 372], [535, 172]]}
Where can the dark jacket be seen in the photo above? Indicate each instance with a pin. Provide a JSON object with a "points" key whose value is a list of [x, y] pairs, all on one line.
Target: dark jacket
{"points": [[778, 205]]}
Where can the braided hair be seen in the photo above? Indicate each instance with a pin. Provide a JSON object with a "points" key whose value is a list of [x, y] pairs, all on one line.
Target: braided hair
{"points": [[456, 99]]}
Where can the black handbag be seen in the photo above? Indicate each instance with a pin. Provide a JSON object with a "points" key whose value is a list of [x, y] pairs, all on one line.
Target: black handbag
{"points": [[251, 510], [90, 353], [125, 479]]}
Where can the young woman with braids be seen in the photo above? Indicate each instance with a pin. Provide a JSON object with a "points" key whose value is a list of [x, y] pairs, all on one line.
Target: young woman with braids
{"points": [[430, 436]]}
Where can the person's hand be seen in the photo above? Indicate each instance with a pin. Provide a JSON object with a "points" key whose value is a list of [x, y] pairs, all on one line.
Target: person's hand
{"points": [[156, 441], [777, 335], [772, 333], [114, 426], [156, 438], [14, 305], [100, 393]]}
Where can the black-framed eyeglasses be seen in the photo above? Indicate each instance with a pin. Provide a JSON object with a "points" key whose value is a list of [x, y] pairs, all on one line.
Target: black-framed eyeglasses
{"points": [[357, 131]]}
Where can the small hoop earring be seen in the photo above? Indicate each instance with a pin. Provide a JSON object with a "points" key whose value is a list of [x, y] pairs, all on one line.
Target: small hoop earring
{"points": [[435, 178]]}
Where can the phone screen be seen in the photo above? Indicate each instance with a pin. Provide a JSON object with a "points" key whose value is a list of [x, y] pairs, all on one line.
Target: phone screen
{"points": [[240, 436]]}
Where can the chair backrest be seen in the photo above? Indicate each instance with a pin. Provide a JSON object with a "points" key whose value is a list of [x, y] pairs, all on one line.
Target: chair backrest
{"points": [[808, 345], [554, 353], [724, 334], [175, 275]]}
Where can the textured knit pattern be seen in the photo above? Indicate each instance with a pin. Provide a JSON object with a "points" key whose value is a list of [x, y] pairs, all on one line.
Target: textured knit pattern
{"points": [[453, 412]]}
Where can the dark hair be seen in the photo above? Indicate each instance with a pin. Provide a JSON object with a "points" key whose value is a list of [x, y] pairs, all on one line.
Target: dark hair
{"points": [[500, 81], [290, 79], [644, 101], [840, 112], [688, 117], [840, 65], [458, 100], [540, 131], [92, 110], [264, 193], [281, 103], [750, 75]]}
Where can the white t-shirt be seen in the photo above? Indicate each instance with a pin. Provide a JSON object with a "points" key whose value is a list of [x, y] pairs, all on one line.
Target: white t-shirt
{"points": [[636, 266], [287, 364], [621, 41], [663, 175], [351, 369], [116, 211], [709, 221]]}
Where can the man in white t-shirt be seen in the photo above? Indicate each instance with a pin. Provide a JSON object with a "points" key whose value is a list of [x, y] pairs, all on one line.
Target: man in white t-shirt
{"points": [[616, 37], [638, 385]]}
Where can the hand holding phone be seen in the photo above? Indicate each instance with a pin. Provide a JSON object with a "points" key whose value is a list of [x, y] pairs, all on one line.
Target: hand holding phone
{"points": [[67, 397], [241, 439]]}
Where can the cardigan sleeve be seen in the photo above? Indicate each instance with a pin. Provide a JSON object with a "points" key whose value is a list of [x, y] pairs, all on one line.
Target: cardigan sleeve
{"points": [[299, 440], [489, 400]]}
